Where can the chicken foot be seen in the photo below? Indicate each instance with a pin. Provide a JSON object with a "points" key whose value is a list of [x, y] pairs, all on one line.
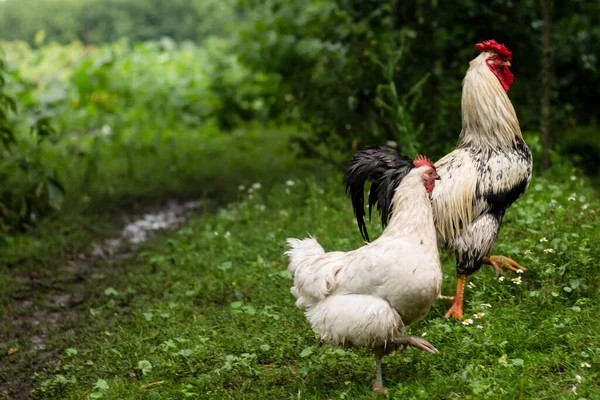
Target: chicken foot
{"points": [[456, 309], [417, 342], [404, 342], [498, 262]]}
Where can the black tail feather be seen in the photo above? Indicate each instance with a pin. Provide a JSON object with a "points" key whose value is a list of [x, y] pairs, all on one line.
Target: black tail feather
{"points": [[385, 168]]}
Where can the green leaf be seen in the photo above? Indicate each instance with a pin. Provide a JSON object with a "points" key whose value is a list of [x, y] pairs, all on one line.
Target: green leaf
{"points": [[225, 266], [307, 351], [236, 304], [517, 361], [71, 352], [56, 193], [186, 352], [249, 310], [101, 384], [111, 292], [144, 366]]}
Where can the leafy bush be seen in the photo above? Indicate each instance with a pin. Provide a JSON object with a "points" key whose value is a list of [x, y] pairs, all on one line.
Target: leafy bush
{"points": [[29, 187], [340, 65]]}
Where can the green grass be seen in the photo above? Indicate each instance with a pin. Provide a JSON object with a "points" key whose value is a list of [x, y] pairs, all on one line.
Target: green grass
{"points": [[53, 251], [207, 311]]}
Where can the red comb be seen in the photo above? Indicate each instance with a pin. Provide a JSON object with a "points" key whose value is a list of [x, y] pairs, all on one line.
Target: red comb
{"points": [[492, 45], [421, 161]]}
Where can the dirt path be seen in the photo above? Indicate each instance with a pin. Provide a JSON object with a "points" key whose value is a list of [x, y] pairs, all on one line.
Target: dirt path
{"points": [[43, 312]]}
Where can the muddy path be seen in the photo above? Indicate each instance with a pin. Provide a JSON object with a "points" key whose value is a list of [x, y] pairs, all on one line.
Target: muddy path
{"points": [[45, 308]]}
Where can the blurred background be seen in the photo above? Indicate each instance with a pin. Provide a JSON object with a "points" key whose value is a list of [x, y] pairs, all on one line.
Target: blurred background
{"points": [[126, 101]]}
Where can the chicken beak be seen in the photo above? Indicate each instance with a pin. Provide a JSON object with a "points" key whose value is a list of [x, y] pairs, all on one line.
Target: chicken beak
{"points": [[437, 177], [507, 63]]}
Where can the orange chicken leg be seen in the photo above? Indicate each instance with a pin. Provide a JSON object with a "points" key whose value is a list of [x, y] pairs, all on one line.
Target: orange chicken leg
{"points": [[456, 309], [498, 262]]}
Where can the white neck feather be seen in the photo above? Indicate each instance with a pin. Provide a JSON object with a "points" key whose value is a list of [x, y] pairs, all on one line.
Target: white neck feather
{"points": [[488, 117], [411, 208]]}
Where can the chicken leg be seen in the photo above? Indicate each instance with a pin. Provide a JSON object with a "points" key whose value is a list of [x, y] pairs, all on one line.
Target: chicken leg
{"points": [[378, 385], [498, 262], [404, 341], [456, 309]]}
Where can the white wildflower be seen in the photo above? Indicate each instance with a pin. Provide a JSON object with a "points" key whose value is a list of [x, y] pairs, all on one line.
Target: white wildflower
{"points": [[256, 185], [573, 177], [543, 239], [467, 321], [574, 389], [501, 279], [479, 315], [586, 364], [250, 190], [227, 234], [470, 285], [519, 271], [579, 378], [486, 305], [423, 334], [517, 280], [290, 183], [585, 207], [391, 143], [479, 327], [106, 130], [548, 250], [527, 252], [572, 197], [261, 207], [241, 188], [553, 202]]}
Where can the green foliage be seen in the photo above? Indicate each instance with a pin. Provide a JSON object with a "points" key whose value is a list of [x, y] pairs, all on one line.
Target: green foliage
{"points": [[29, 187], [120, 106], [339, 64], [97, 22]]}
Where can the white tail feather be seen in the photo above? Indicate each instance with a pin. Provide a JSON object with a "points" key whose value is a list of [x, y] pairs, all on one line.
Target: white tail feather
{"points": [[302, 252], [314, 271]]}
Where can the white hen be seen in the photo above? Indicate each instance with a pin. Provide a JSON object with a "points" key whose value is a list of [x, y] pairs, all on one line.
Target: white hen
{"points": [[366, 297]]}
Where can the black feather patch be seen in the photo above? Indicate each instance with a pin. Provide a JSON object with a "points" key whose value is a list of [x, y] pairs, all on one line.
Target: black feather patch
{"points": [[385, 168]]}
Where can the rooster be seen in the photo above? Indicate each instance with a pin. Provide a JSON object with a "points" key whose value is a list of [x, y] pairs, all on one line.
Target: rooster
{"points": [[366, 297], [488, 171]]}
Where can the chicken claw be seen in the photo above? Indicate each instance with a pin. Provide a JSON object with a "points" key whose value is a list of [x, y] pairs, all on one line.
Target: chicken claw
{"points": [[379, 389], [417, 342], [456, 309], [498, 262]]}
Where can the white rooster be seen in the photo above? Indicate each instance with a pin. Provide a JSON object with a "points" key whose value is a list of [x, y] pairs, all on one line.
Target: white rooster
{"points": [[366, 297]]}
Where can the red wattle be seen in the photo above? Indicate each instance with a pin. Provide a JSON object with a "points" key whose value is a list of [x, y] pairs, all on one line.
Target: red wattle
{"points": [[504, 75]]}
